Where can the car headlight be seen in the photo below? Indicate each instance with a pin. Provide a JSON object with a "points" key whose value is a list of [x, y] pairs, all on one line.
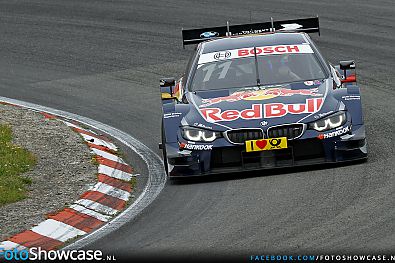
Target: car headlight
{"points": [[199, 135], [332, 121]]}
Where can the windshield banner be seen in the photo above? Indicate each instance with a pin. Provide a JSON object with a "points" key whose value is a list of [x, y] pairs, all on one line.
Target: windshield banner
{"points": [[249, 52]]}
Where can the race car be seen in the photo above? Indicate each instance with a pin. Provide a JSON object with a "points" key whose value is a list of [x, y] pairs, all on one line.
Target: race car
{"points": [[259, 96]]}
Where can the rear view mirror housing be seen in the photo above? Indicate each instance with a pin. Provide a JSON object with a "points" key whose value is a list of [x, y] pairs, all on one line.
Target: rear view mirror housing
{"points": [[347, 64], [167, 82], [166, 88], [348, 68]]}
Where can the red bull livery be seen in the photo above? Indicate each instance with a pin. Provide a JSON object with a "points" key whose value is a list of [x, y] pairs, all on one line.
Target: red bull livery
{"points": [[259, 96]]}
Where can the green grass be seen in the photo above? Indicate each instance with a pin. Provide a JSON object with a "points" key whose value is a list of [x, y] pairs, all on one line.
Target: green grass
{"points": [[14, 161], [133, 182]]}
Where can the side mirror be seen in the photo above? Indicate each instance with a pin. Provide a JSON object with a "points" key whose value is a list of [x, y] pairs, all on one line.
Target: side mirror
{"points": [[348, 68], [167, 82], [166, 88]]}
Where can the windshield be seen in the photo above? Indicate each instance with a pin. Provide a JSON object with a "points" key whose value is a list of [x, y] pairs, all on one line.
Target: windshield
{"points": [[272, 70]]}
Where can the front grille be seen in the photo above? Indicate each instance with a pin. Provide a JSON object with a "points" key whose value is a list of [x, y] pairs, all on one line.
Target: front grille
{"points": [[242, 135], [291, 131]]}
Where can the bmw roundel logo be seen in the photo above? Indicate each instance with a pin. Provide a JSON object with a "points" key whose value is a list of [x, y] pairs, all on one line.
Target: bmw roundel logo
{"points": [[222, 55], [264, 123], [209, 34]]}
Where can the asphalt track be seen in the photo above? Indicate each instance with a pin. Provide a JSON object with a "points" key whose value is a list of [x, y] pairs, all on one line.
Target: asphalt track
{"points": [[103, 59]]}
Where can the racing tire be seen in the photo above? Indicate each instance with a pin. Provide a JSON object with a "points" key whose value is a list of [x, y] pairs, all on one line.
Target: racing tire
{"points": [[164, 150]]}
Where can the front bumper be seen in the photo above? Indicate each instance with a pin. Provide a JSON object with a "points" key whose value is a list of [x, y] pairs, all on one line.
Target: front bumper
{"points": [[300, 152]]}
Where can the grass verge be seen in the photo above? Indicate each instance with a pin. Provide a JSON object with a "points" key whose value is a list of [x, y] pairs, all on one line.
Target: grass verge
{"points": [[14, 161]]}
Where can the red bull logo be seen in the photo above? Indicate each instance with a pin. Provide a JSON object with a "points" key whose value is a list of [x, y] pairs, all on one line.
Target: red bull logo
{"points": [[260, 95], [273, 110], [259, 111], [216, 114]]}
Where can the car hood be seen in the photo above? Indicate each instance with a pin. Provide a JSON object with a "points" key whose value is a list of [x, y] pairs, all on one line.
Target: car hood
{"points": [[263, 106]]}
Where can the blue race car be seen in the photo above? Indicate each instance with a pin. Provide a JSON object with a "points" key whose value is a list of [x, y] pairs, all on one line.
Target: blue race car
{"points": [[259, 96]]}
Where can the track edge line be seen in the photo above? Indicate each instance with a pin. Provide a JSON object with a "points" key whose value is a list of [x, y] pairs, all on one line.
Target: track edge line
{"points": [[156, 175]]}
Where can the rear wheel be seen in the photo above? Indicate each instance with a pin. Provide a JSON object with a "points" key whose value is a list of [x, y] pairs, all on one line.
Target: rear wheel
{"points": [[164, 150]]}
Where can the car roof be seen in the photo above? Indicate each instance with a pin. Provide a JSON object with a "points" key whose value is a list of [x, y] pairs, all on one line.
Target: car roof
{"points": [[270, 39]]}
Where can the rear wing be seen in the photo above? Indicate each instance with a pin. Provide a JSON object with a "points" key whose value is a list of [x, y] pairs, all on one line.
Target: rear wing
{"points": [[194, 36]]}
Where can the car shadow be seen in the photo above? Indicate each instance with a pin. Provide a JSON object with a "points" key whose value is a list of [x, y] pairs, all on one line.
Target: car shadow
{"points": [[212, 178]]}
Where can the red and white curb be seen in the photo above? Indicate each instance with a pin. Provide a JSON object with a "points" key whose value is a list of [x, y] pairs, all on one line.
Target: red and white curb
{"points": [[156, 177], [95, 207]]}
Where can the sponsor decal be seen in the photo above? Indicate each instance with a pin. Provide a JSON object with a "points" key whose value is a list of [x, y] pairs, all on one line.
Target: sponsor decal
{"points": [[260, 51], [196, 147], [351, 97], [263, 94], [252, 31], [172, 115], [321, 115], [200, 125], [209, 34], [266, 144], [279, 109], [309, 83], [274, 50], [216, 114], [292, 26], [259, 111], [222, 55], [339, 131]]}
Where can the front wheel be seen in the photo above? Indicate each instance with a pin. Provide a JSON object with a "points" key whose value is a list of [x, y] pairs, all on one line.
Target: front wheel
{"points": [[164, 150]]}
